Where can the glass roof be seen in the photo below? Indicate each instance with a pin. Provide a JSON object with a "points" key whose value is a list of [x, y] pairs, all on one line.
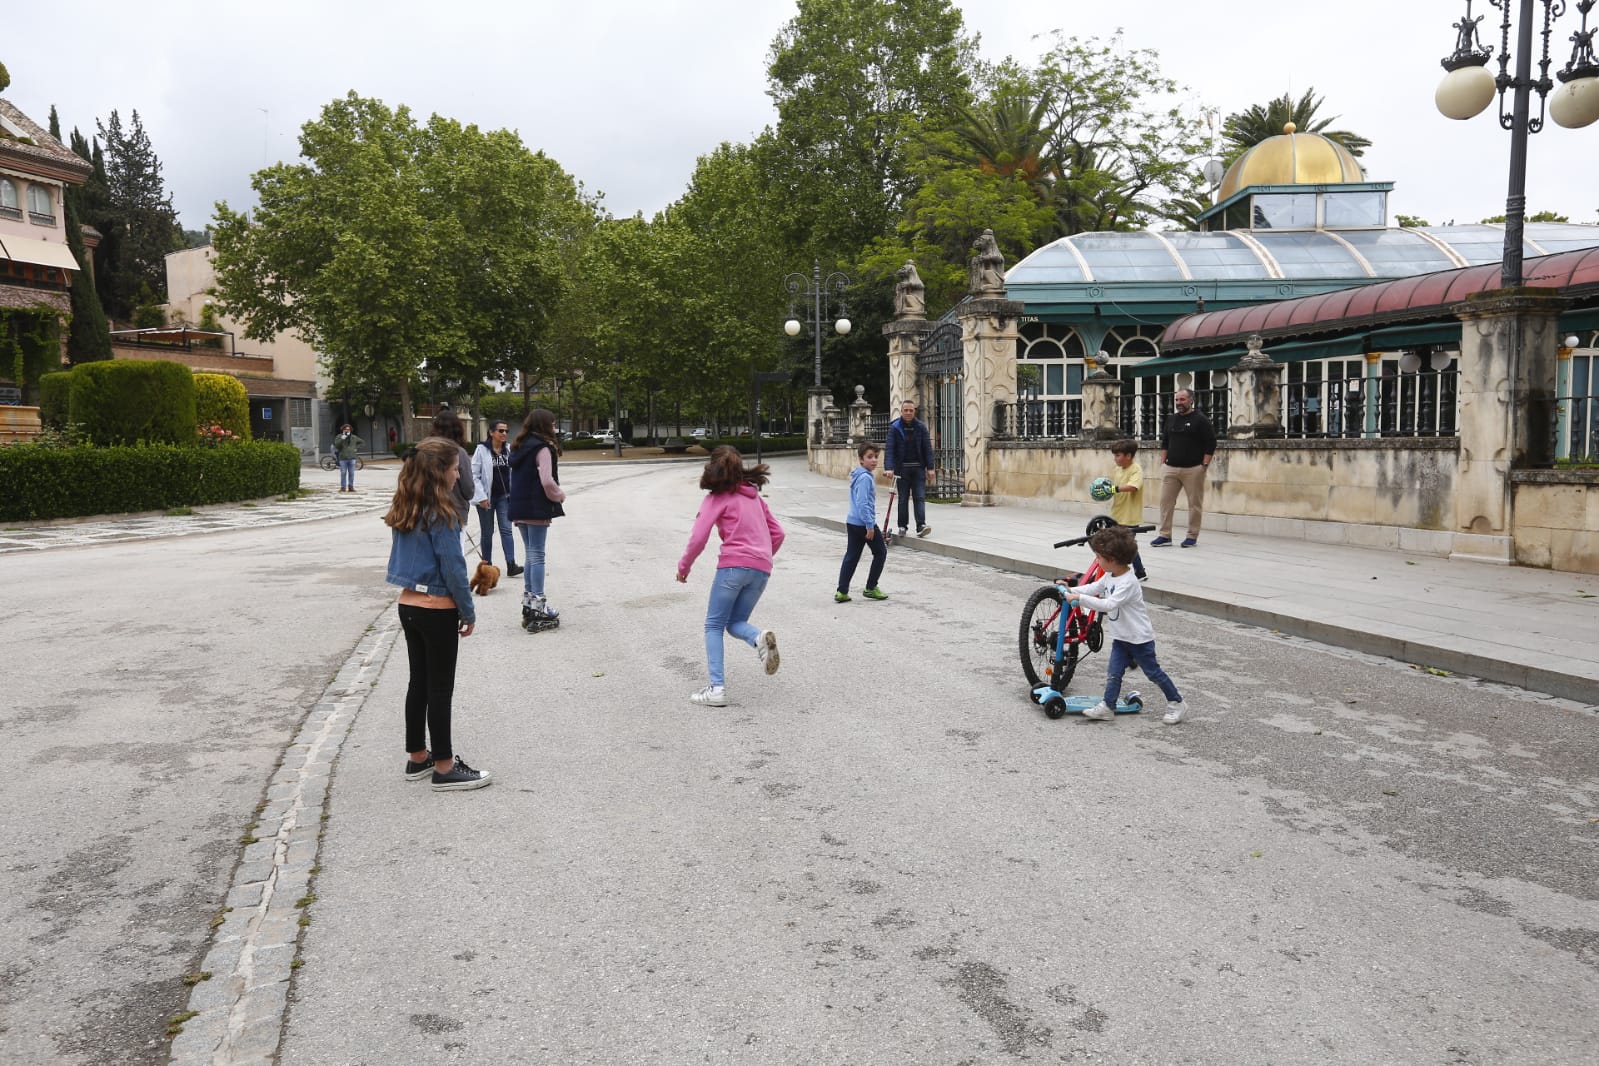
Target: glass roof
{"points": [[1232, 255]]}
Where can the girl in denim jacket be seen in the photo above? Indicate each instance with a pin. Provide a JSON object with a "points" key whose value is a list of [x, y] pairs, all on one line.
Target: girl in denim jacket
{"points": [[436, 608]]}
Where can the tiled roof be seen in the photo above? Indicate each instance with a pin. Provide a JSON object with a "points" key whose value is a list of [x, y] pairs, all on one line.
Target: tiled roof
{"points": [[45, 148]]}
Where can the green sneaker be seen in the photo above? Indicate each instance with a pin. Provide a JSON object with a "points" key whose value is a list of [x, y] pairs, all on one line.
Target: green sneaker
{"points": [[840, 597], [875, 594]]}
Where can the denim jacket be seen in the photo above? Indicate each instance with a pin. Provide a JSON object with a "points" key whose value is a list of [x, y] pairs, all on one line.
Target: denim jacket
{"points": [[429, 559]]}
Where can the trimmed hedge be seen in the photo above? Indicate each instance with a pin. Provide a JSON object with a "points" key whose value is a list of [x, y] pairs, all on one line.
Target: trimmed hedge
{"points": [[220, 399], [55, 392], [770, 442], [72, 482], [126, 401]]}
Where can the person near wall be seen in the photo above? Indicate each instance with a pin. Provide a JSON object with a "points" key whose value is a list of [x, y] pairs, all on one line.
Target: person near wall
{"points": [[447, 424], [346, 447], [1186, 448], [908, 455], [491, 482]]}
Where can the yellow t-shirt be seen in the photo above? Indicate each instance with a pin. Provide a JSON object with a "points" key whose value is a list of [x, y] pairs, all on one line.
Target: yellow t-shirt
{"points": [[1127, 508]]}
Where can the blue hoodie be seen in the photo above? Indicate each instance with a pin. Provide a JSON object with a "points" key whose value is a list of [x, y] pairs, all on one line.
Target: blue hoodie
{"points": [[862, 498]]}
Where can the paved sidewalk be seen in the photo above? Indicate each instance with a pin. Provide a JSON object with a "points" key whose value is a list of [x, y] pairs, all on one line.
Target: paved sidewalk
{"points": [[1536, 629]]}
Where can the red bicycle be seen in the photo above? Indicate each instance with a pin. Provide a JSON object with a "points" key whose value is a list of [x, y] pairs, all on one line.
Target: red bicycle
{"points": [[1054, 637]]}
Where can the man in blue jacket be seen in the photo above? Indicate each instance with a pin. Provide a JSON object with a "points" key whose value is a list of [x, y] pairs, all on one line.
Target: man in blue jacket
{"points": [[909, 456]]}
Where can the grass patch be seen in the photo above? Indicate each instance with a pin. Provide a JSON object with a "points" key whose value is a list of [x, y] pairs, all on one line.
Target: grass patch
{"points": [[192, 979], [306, 900], [179, 512], [175, 1026], [249, 503], [296, 964]]}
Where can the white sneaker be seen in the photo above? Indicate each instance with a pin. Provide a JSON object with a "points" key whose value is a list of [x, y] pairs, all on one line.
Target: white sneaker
{"points": [[711, 696], [901, 532], [766, 648], [1099, 712], [1175, 713]]}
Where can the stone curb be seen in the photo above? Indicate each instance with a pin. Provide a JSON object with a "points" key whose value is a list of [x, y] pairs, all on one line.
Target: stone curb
{"points": [[238, 1011], [1564, 685]]}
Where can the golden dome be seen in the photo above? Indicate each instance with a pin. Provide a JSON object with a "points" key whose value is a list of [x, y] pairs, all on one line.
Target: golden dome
{"points": [[1291, 159]]}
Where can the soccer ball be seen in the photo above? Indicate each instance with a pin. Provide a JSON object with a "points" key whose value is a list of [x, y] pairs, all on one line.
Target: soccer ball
{"points": [[1102, 489]]}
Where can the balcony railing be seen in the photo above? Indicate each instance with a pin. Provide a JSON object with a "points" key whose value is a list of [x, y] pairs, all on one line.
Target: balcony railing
{"points": [[1420, 404]]}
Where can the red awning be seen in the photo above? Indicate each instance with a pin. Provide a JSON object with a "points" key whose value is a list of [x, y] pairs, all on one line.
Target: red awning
{"points": [[1404, 299]]}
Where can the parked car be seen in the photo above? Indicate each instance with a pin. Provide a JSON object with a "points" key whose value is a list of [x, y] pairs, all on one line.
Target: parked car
{"points": [[606, 438], [701, 433], [582, 434]]}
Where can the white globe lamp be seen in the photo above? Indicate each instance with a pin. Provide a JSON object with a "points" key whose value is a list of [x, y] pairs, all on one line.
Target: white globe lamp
{"points": [[842, 327], [1464, 92], [792, 327], [1576, 103], [1410, 362]]}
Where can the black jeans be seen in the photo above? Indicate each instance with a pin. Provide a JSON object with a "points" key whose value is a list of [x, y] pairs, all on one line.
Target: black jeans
{"points": [[912, 487], [432, 637], [852, 557]]}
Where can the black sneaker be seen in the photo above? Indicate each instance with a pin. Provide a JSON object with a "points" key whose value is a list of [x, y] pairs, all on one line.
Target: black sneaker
{"points": [[513, 570], [416, 771], [461, 778]]}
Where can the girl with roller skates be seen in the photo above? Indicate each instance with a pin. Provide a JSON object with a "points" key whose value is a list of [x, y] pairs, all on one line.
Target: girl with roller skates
{"points": [[436, 609], [750, 537], [536, 498]]}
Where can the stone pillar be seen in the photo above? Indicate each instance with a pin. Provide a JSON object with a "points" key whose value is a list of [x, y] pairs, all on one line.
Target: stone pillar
{"points": [[860, 416], [905, 339], [1508, 344], [989, 331], [1101, 404], [817, 400], [1254, 395]]}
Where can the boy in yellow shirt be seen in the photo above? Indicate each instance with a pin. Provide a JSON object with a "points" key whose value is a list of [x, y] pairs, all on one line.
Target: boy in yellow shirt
{"points": [[1127, 509]]}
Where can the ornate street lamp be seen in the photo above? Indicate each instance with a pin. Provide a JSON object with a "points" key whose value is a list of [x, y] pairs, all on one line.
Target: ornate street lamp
{"points": [[1468, 88], [814, 289]]}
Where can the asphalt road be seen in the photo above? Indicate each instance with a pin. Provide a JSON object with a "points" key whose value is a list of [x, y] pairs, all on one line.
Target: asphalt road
{"points": [[883, 854], [886, 854]]}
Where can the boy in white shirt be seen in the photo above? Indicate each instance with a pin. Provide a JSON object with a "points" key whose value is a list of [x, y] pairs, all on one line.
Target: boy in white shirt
{"points": [[1119, 598]]}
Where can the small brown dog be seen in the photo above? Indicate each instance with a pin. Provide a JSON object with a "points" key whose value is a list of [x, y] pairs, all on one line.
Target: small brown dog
{"points": [[485, 577]]}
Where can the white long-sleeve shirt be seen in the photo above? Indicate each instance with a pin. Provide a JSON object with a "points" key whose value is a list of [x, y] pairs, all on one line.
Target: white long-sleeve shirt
{"points": [[1121, 601]]}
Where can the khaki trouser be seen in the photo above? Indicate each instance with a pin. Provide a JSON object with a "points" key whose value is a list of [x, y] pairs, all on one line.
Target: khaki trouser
{"points": [[1189, 480]]}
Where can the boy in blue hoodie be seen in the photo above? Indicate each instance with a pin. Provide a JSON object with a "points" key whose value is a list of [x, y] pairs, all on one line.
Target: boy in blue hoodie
{"points": [[861, 524]]}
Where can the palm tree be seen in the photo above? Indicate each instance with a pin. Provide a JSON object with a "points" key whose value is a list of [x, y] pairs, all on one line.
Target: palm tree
{"points": [[1245, 129]]}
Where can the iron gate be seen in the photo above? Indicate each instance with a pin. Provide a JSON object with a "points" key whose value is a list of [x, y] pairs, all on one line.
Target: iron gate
{"points": [[939, 367]]}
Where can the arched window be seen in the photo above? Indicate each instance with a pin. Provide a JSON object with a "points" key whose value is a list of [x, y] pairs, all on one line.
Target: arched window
{"points": [[10, 206], [41, 208]]}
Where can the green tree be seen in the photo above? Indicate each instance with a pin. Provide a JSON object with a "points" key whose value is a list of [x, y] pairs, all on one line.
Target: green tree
{"points": [[854, 81], [88, 335], [1124, 147], [1411, 221], [1537, 216], [139, 226], [1247, 128]]}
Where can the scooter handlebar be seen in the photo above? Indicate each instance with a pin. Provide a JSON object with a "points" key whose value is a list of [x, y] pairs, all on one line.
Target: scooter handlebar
{"points": [[1075, 541]]}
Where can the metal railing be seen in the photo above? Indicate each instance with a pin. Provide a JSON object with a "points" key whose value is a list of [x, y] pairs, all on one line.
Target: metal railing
{"points": [[877, 426], [1577, 428], [1418, 404], [1143, 416], [1039, 419]]}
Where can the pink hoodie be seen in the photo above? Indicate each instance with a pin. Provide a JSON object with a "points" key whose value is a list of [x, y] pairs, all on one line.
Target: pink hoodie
{"points": [[750, 535]]}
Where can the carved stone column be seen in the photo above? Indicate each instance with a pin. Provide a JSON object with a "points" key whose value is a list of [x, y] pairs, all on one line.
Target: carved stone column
{"points": [[1101, 405], [1254, 395], [1508, 345], [817, 400], [905, 339], [860, 416], [989, 331]]}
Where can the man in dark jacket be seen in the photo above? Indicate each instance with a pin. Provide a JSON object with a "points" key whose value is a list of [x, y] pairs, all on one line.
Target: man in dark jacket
{"points": [[1186, 449], [909, 456]]}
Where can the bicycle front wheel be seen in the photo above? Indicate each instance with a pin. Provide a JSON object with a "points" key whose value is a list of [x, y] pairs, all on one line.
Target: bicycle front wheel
{"points": [[1041, 620], [327, 462], [360, 463]]}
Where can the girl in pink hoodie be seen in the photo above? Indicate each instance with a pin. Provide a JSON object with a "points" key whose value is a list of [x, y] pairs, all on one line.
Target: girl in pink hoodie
{"points": [[750, 537]]}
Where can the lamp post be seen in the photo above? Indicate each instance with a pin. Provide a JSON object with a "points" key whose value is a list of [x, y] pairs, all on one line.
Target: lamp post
{"points": [[1468, 88], [814, 289]]}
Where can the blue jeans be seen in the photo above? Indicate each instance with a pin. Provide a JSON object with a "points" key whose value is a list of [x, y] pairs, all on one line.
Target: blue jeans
{"points": [[346, 473], [533, 538], [734, 594], [1123, 654], [852, 556], [912, 489], [485, 523]]}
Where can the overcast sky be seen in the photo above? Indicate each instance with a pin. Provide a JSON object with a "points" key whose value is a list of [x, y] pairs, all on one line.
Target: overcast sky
{"points": [[625, 94]]}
